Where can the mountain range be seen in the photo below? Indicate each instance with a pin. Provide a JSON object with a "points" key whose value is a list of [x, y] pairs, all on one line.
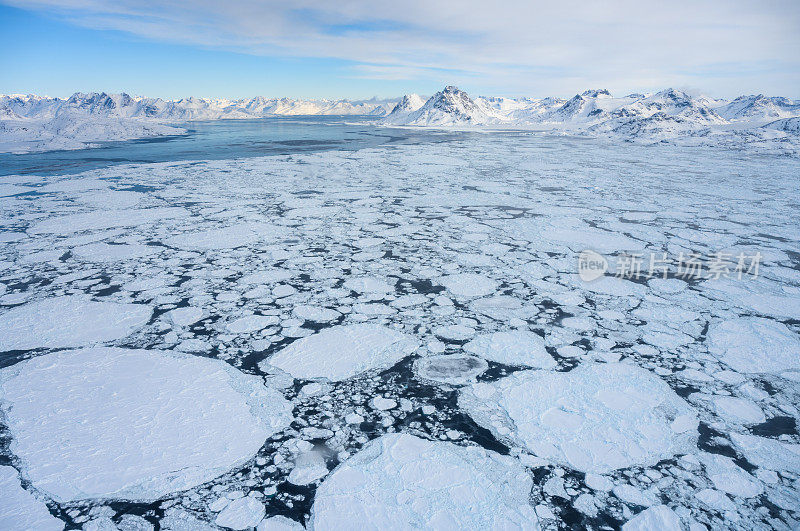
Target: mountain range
{"points": [[35, 123]]}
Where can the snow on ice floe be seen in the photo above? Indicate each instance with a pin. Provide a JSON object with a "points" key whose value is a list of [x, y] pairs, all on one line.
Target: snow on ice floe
{"points": [[469, 285], [658, 517], [104, 252], [19, 509], [104, 219], [133, 424], [342, 351], [595, 418], [69, 321], [226, 237], [402, 481], [754, 345], [516, 347]]}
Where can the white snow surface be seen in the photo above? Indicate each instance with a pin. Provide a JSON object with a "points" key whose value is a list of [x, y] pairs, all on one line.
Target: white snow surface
{"points": [[343, 351], [658, 517], [69, 321], [19, 509], [400, 482], [516, 347], [754, 345], [595, 418], [133, 424]]}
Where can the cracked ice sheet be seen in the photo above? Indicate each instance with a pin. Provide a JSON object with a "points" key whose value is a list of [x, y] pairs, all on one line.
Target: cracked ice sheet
{"points": [[133, 424], [410, 216], [401, 481], [595, 418]]}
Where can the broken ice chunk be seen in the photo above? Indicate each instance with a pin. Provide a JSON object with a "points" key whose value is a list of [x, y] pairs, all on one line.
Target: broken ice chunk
{"points": [[401, 481], [343, 351], [595, 418]]}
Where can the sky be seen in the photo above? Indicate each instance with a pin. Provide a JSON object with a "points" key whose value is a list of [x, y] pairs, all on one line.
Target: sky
{"points": [[377, 48]]}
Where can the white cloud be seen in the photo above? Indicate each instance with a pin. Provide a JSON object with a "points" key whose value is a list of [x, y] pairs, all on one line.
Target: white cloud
{"points": [[513, 46]]}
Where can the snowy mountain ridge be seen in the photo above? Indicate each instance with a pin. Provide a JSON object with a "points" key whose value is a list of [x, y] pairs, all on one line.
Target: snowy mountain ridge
{"points": [[670, 115], [36, 123]]}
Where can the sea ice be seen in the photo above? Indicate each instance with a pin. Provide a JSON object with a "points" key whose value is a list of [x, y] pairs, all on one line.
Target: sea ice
{"points": [[69, 321], [106, 219], [226, 237], [453, 369], [134, 424], [242, 513], [339, 352], [754, 345], [516, 347], [595, 418], [400, 481], [469, 285], [104, 252], [19, 509], [656, 518]]}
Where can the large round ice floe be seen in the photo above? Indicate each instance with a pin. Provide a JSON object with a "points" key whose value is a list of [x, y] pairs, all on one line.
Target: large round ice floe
{"points": [[402, 482], [69, 321], [516, 347], [133, 424], [754, 345], [595, 418], [339, 352]]}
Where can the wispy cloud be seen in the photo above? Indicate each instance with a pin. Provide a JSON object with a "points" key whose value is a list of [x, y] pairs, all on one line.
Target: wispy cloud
{"points": [[517, 46]]}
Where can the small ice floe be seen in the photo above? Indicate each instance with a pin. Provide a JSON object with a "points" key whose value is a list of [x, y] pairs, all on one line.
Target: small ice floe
{"points": [[455, 332], [754, 345], [402, 481], [658, 517], [69, 321], [454, 369], [309, 467], [185, 316], [595, 418], [133, 424], [316, 314], [342, 351], [517, 347], [469, 285], [105, 252], [769, 454], [106, 219], [242, 513], [231, 237]]}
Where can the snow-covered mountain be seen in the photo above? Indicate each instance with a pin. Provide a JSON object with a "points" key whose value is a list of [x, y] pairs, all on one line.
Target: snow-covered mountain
{"points": [[450, 107], [760, 107], [666, 116], [35, 123], [408, 104]]}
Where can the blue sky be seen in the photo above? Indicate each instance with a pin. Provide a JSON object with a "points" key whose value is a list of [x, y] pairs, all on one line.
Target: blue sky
{"points": [[360, 49]]}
